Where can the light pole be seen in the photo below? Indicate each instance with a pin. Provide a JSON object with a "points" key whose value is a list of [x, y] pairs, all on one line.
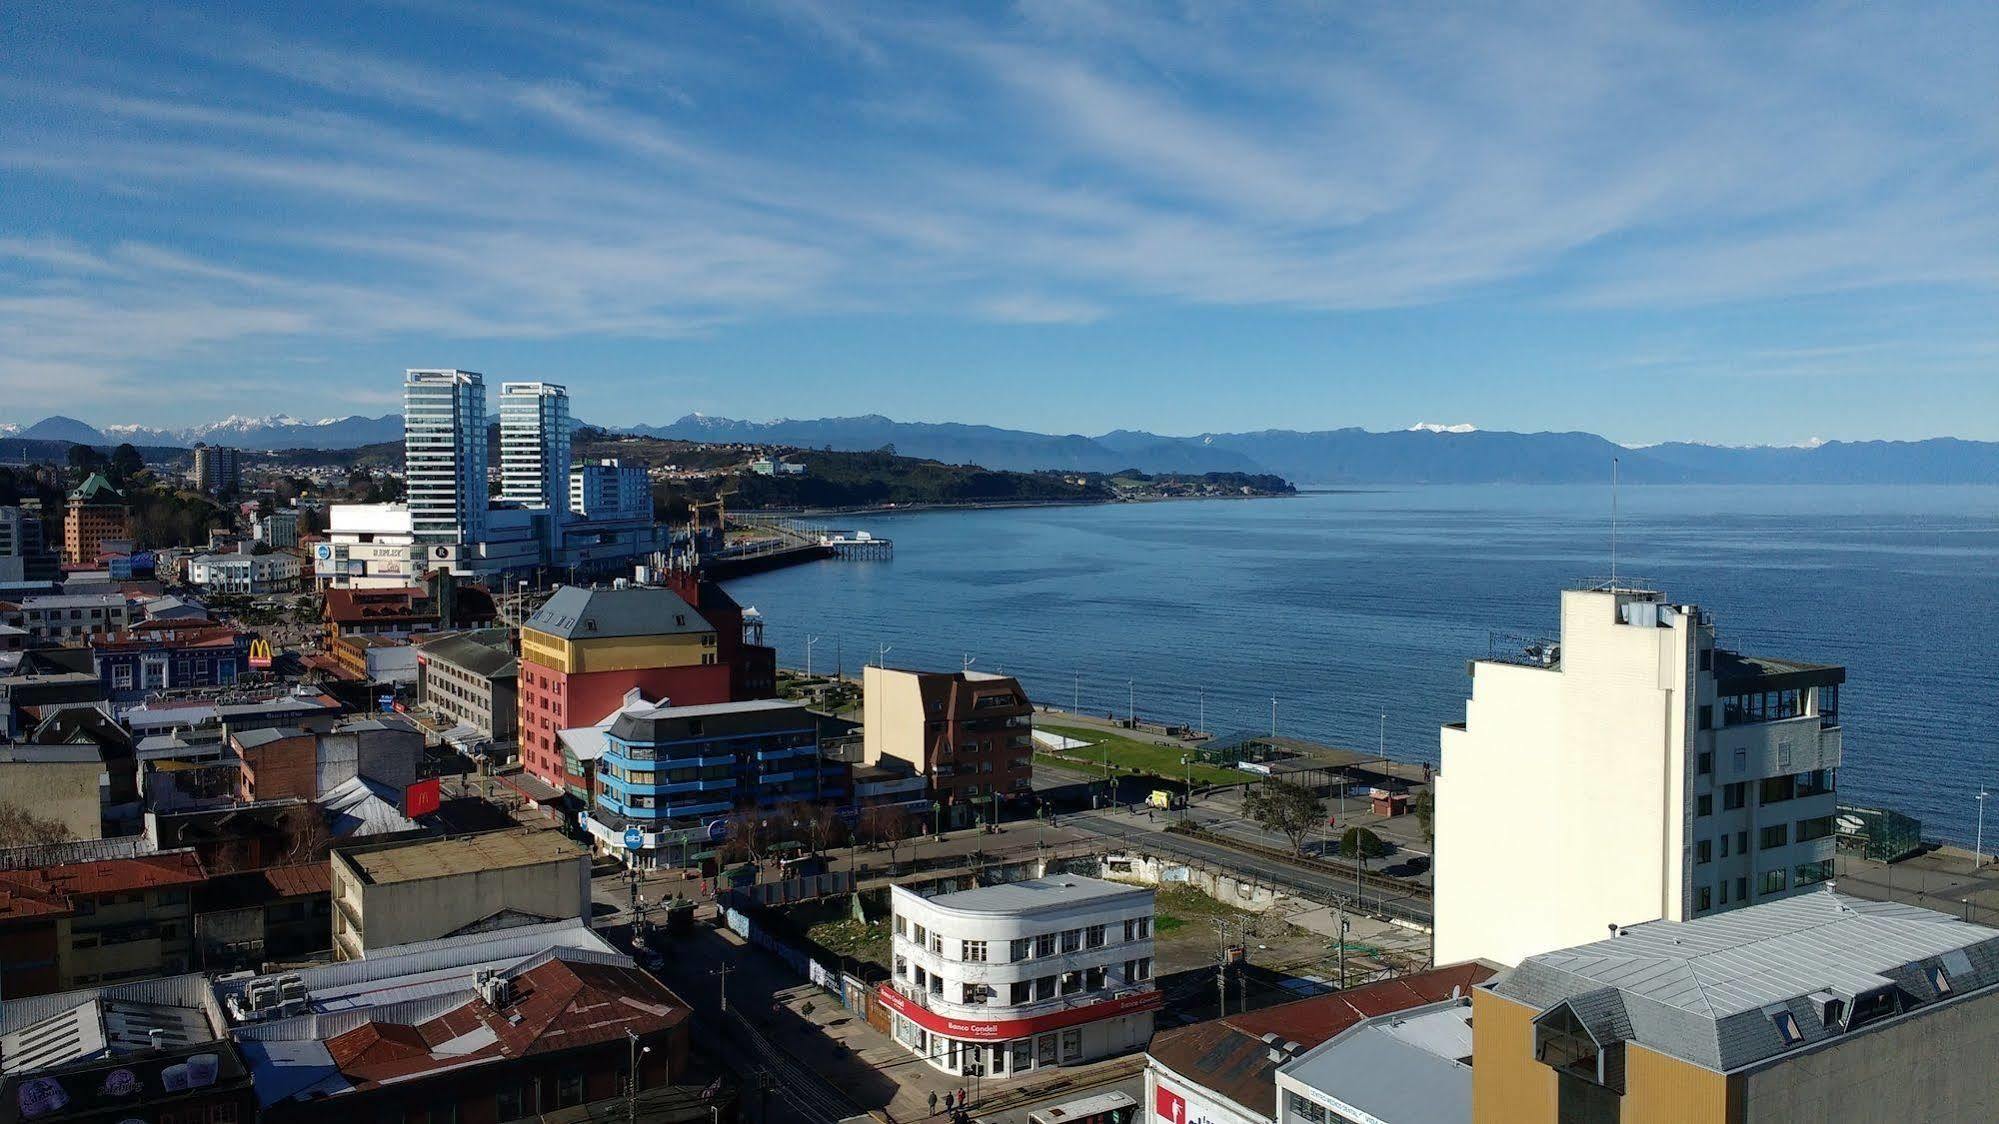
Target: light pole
{"points": [[1273, 716], [1202, 723], [881, 654], [809, 642], [1131, 689], [1187, 794], [632, 1088], [1978, 848], [1076, 696]]}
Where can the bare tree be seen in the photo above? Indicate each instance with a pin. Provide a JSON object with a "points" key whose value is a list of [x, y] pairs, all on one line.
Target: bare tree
{"points": [[21, 828], [885, 825], [824, 828]]}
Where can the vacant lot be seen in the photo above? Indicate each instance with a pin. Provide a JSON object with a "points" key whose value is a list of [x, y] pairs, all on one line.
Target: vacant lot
{"points": [[1128, 754]]}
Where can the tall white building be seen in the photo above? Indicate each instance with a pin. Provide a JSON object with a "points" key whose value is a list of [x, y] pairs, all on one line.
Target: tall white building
{"points": [[1632, 773], [534, 446], [444, 454], [610, 490], [1003, 980]]}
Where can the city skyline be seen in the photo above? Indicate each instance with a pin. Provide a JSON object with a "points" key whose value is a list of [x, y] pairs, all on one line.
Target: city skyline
{"points": [[1220, 219]]}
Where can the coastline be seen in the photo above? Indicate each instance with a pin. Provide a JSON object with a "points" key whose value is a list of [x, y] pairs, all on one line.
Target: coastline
{"points": [[1003, 505]]}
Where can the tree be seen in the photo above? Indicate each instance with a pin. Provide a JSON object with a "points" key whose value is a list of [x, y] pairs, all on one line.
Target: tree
{"points": [[885, 825], [1361, 844], [85, 460], [21, 828], [1290, 810], [1425, 807], [126, 463]]}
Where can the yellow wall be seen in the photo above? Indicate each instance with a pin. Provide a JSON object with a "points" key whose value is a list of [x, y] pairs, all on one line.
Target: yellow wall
{"points": [[1507, 1084], [621, 653], [893, 722]]}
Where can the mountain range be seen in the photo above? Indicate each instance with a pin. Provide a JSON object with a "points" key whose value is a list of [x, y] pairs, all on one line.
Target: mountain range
{"points": [[1423, 454], [1426, 453]]}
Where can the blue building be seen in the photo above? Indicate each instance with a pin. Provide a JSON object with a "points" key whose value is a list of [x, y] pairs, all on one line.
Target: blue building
{"points": [[678, 775]]}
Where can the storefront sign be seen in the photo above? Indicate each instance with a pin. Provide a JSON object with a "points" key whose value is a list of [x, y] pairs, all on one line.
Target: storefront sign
{"points": [[1003, 1030]]}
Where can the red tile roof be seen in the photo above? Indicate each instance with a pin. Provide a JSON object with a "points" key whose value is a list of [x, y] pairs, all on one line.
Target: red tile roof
{"points": [[558, 1005], [300, 880], [36, 892], [1228, 1056]]}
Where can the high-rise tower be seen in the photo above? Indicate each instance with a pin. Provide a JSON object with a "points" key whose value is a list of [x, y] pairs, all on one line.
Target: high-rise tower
{"points": [[444, 453], [534, 446]]}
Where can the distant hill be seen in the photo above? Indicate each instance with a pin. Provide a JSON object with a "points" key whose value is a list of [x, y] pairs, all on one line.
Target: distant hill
{"points": [[59, 428]]}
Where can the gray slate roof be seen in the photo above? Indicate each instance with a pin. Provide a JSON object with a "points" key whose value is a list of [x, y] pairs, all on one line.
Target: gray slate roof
{"points": [[487, 652], [1705, 990], [577, 613]]}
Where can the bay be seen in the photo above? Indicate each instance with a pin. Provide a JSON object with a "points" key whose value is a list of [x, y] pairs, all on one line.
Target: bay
{"points": [[1357, 610]]}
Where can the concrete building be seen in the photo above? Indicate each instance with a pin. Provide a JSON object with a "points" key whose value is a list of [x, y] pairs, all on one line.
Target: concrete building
{"points": [[96, 513], [154, 1050], [675, 773], [24, 551], [585, 648], [217, 468], [241, 571], [78, 924], [427, 889], [1007, 980], [534, 446], [444, 455], [167, 656], [277, 530], [1817, 1007], [1226, 1070], [1411, 1067], [969, 733], [1635, 772], [73, 617], [369, 545], [471, 679], [610, 490], [771, 466], [374, 659], [62, 784], [486, 1027]]}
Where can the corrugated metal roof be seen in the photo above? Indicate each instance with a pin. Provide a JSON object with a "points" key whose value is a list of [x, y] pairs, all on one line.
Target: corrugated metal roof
{"points": [[1700, 990], [577, 613]]}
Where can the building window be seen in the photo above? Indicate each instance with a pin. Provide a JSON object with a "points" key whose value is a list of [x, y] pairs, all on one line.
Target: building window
{"points": [[975, 951], [1724, 891], [1072, 1044], [1734, 796], [1742, 888], [1776, 835], [1044, 988], [1093, 937], [1812, 873], [1020, 992], [1307, 1111], [1704, 804], [1703, 899], [1703, 851], [1021, 948], [1072, 940], [1072, 982], [1706, 715], [1770, 882], [1044, 945], [569, 1088]]}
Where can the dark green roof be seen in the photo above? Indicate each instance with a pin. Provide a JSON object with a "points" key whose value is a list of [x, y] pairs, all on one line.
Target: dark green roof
{"points": [[92, 485]]}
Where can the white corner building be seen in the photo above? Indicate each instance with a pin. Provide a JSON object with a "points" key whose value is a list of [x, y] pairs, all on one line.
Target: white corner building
{"points": [[1634, 772], [1004, 980]]}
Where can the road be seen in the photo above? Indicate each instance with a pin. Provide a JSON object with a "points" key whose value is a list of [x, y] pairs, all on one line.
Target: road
{"points": [[1315, 885]]}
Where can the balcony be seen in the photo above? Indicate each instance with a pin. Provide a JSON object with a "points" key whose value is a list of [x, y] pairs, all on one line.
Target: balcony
{"points": [[1790, 745]]}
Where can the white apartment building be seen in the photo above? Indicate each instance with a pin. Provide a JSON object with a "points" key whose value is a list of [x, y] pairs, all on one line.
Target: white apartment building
{"points": [[278, 529], [73, 616], [610, 490], [370, 545], [1634, 772], [1005, 980], [244, 572], [534, 446], [444, 454], [217, 468]]}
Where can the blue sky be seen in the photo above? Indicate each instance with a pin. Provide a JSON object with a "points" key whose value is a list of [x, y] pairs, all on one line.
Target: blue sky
{"points": [[1735, 223]]}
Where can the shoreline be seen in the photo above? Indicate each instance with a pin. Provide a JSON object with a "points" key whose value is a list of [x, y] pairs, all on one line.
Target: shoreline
{"points": [[1002, 505]]}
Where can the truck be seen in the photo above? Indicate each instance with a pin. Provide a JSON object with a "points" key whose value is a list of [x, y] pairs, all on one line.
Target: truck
{"points": [[1166, 799]]}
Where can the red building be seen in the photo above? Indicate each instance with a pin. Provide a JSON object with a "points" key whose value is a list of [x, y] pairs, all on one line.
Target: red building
{"points": [[586, 648]]}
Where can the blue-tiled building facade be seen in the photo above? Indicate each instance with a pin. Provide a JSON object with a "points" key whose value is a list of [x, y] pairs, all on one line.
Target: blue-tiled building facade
{"points": [[677, 774]]}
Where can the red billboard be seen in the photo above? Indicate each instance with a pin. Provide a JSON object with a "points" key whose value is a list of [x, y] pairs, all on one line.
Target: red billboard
{"points": [[422, 798]]}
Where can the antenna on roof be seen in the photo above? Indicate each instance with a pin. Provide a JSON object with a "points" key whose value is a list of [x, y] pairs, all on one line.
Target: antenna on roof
{"points": [[1613, 525]]}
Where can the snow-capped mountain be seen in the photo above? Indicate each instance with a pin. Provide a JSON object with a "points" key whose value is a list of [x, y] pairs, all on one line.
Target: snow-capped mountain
{"points": [[275, 431]]}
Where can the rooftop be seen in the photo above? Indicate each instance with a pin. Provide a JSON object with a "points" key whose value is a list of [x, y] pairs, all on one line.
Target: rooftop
{"points": [[438, 858], [1056, 892], [1413, 1065], [580, 613], [487, 652], [1733, 669], [48, 890], [1230, 1056], [1706, 990]]}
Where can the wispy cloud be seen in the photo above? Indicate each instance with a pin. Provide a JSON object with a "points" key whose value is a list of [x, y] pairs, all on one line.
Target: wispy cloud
{"points": [[628, 170]]}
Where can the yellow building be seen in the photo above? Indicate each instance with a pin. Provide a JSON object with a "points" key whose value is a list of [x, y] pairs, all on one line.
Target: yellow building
{"points": [[1821, 1007]]}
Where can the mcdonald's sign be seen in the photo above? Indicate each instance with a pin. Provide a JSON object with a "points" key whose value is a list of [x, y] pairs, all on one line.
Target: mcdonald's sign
{"points": [[260, 653]]}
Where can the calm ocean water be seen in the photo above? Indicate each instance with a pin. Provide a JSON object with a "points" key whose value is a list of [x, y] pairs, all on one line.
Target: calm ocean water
{"points": [[1347, 606]]}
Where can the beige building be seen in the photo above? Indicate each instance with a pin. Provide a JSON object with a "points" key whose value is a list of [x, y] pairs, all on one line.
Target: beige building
{"points": [[419, 890], [969, 734], [64, 784], [1633, 771], [1819, 1007], [471, 679]]}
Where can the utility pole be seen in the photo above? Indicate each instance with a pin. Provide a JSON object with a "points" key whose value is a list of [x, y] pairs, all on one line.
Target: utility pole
{"points": [[1076, 695], [1978, 848], [1131, 687], [1222, 968], [1343, 951], [1273, 716], [1202, 724], [809, 642], [632, 1086], [723, 972]]}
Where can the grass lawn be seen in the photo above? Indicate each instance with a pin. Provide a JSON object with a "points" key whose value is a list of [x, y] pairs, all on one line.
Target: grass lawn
{"points": [[1129, 753], [1180, 905], [860, 940]]}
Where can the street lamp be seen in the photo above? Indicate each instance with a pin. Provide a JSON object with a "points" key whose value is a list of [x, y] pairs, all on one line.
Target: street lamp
{"points": [[809, 642], [632, 1087], [1978, 848], [1131, 687]]}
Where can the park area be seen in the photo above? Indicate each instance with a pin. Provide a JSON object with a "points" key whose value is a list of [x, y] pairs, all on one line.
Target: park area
{"points": [[1126, 754]]}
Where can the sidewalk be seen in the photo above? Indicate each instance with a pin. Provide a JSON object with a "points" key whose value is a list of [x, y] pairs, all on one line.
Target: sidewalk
{"points": [[1942, 880]]}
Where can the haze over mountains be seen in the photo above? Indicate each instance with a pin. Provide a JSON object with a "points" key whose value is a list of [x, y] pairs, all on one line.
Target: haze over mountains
{"points": [[1426, 453]]}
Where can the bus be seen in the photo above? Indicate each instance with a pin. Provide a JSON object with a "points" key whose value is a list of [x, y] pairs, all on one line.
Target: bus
{"points": [[1103, 1108]]}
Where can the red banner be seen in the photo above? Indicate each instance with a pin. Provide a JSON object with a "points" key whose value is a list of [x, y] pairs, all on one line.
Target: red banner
{"points": [[1002, 1030], [422, 798]]}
